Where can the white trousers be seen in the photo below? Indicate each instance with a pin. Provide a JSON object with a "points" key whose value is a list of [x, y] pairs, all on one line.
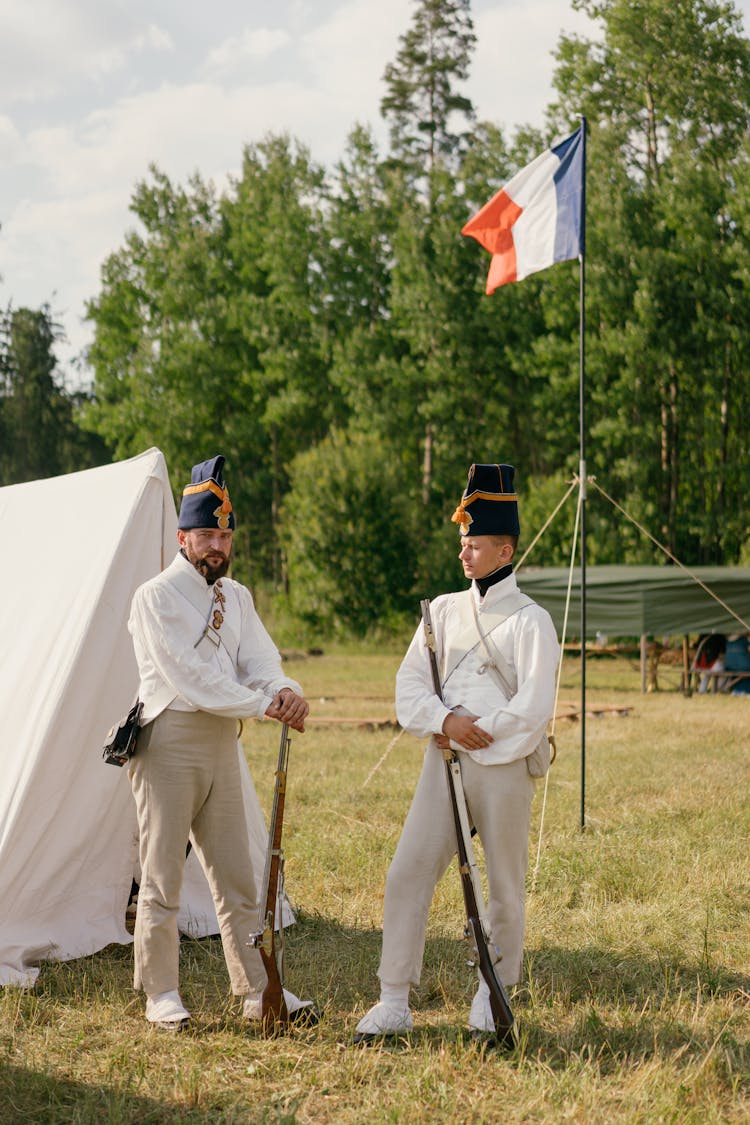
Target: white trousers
{"points": [[186, 782], [499, 801]]}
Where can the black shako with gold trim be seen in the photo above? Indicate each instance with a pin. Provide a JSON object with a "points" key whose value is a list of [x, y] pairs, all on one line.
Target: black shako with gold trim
{"points": [[205, 501], [489, 505]]}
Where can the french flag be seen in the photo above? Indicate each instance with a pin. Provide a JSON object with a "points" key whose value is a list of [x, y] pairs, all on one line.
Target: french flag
{"points": [[537, 218]]}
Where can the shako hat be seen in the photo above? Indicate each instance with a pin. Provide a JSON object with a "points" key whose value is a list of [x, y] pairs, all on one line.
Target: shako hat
{"points": [[489, 505], [205, 501]]}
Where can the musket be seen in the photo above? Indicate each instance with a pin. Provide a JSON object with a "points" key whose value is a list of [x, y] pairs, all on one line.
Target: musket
{"points": [[271, 947], [477, 926]]}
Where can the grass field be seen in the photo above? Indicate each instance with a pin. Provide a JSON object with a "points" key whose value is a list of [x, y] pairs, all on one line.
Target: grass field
{"points": [[636, 1001]]}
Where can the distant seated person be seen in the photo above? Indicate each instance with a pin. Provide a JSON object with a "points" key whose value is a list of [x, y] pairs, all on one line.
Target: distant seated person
{"points": [[709, 657], [737, 659]]}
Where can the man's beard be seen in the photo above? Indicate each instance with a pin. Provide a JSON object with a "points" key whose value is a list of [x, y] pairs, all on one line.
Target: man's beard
{"points": [[210, 572]]}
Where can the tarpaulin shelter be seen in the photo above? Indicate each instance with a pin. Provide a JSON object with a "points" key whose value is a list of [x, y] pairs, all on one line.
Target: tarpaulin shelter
{"points": [[633, 601], [645, 601], [75, 548]]}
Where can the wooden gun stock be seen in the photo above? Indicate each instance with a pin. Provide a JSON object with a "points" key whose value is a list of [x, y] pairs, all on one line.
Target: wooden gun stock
{"points": [[271, 947]]}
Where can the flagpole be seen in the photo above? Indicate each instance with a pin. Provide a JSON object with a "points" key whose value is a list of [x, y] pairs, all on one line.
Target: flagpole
{"points": [[547, 188], [582, 466]]}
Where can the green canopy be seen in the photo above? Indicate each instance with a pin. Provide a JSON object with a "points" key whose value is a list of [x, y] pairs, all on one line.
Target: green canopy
{"points": [[630, 601]]}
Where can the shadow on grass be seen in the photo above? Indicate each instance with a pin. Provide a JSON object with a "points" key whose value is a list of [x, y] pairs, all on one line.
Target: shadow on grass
{"points": [[583, 1006], [590, 1003], [35, 1097], [590, 972], [583, 973]]}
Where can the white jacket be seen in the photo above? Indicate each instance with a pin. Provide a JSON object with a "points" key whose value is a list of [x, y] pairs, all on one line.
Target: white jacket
{"points": [[526, 641], [234, 670]]}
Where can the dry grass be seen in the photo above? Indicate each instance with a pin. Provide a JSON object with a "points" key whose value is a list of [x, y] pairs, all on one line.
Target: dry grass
{"points": [[636, 1004]]}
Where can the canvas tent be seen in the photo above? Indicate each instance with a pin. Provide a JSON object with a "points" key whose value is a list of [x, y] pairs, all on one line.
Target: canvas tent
{"points": [[75, 549], [634, 601]]}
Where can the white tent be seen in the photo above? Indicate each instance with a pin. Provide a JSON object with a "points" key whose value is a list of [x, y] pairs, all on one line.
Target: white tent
{"points": [[74, 550]]}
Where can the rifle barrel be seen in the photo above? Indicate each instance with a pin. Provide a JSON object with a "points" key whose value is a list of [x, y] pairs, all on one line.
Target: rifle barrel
{"points": [[505, 1024]]}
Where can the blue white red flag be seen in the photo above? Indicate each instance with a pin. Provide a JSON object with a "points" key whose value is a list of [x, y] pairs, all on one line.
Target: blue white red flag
{"points": [[536, 219]]}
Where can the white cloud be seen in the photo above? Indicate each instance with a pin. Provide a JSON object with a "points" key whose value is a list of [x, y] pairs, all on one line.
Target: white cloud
{"points": [[93, 92], [50, 47], [153, 39], [232, 56], [513, 65], [347, 53], [71, 236], [181, 128], [11, 144], [345, 57], [85, 174]]}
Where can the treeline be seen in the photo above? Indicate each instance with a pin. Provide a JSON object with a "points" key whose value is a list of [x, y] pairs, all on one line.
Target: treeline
{"points": [[40, 431], [327, 329]]}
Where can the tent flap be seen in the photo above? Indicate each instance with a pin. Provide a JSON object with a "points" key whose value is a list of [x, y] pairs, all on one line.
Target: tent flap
{"points": [[68, 831]]}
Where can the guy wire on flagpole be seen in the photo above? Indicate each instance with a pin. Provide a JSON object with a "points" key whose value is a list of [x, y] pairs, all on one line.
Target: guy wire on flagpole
{"points": [[582, 451]]}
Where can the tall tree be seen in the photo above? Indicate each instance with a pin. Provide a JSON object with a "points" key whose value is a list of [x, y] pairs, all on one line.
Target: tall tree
{"points": [[359, 227], [350, 490], [275, 246], [422, 100], [667, 93], [160, 334], [425, 110], [39, 435], [207, 332]]}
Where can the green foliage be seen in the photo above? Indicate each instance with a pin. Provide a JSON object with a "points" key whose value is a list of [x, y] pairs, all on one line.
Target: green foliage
{"points": [[667, 90], [207, 336], [39, 431], [350, 534], [302, 303], [422, 101], [358, 229]]}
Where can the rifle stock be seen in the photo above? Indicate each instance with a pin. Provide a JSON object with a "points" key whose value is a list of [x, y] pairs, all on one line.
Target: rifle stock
{"points": [[271, 948], [502, 1014]]}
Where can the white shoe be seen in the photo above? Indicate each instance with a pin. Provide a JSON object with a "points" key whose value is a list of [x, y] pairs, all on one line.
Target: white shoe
{"points": [[480, 1015], [167, 1011], [252, 1006], [299, 1010], [383, 1019], [482, 1022], [295, 1005]]}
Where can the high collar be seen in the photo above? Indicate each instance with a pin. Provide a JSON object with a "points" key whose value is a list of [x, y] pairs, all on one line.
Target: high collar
{"points": [[489, 580], [497, 591], [183, 565]]}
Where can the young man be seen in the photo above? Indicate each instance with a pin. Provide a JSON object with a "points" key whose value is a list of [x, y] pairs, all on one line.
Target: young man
{"points": [[497, 655], [205, 661]]}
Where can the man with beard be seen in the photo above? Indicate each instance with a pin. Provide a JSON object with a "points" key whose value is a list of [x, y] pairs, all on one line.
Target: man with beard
{"points": [[205, 660]]}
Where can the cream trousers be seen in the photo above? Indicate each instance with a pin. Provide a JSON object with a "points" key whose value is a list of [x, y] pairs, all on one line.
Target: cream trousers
{"points": [[186, 782], [499, 801]]}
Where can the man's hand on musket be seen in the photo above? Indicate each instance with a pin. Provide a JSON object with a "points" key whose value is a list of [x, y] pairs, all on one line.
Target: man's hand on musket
{"points": [[463, 730], [288, 707]]}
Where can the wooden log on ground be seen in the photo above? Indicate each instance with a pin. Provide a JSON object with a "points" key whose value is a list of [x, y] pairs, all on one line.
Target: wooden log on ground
{"points": [[338, 720]]}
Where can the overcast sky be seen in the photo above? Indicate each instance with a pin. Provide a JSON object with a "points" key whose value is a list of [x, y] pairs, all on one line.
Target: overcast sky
{"points": [[93, 91]]}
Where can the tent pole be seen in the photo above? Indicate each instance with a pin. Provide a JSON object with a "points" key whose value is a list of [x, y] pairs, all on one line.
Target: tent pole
{"points": [[582, 468], [686, 689]]}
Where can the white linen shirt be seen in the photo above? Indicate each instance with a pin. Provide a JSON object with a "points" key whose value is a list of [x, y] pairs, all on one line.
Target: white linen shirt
{"points": [[237, 678], [526, 640]]}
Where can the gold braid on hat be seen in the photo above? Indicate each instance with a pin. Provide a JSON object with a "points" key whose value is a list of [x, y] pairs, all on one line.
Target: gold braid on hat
{"points": [[222, 513], [462, 517]]}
